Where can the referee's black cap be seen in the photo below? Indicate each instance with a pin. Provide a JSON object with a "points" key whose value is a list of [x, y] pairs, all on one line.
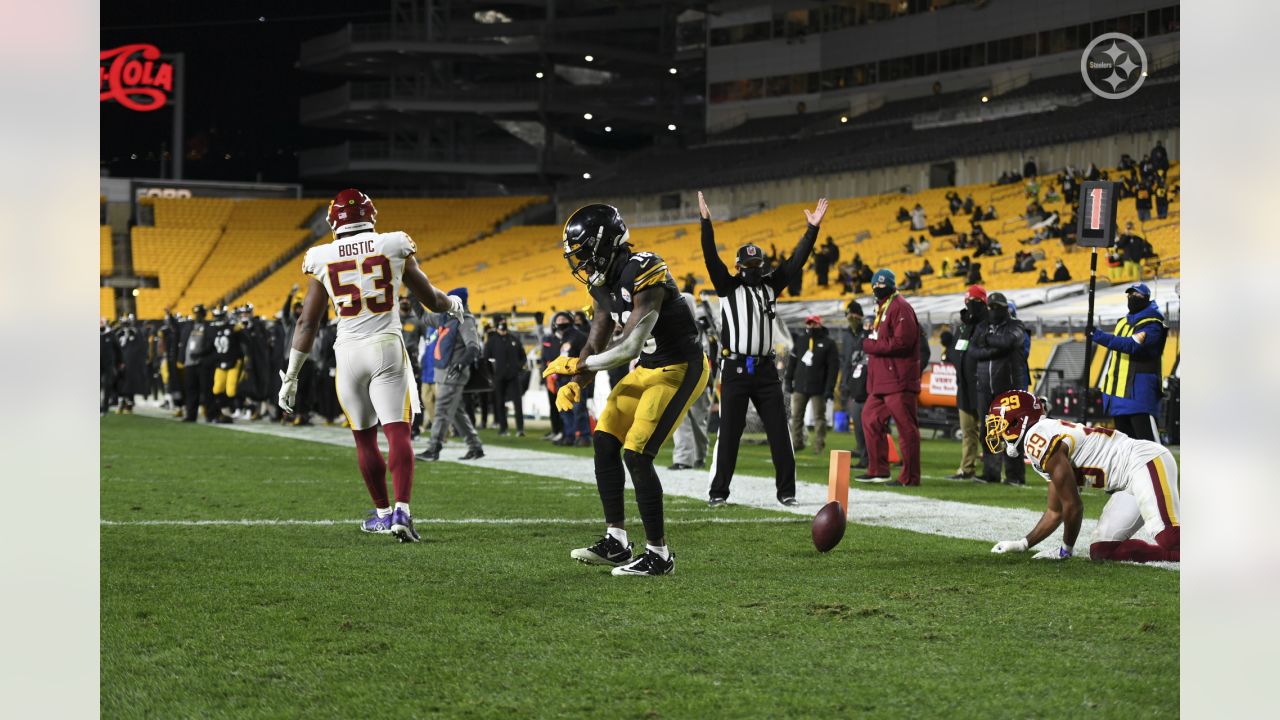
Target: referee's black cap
{"points": [[750, 253]]}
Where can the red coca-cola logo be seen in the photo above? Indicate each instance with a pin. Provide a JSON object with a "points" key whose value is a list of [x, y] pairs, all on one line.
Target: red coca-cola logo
{"points": [[133, 76]]}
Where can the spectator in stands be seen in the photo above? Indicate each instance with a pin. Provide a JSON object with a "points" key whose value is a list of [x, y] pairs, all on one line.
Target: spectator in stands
{"points": [[1069, 187], [510, 376], [457, 348], [1131, 370], [810, 379], [1092, 172], [997, 343], [1060, 272], [1052, 195], [853, 377], [990, 213], [1126, 162], [689, 283], [1033, 189], [918, 221], [1143, 201], [1035, 213], [954, 203], [894, 382], [943, 228], [911, 244], [846, 278], [823, 259], [974, 274], [945, 270], [903, 215], [1162, 201], [1023, 262], [966, 364], [927, 269], [1160, 156], [1029, 169], [1044, 277], [911, 281], [1147, 169], [968, 204], [962, 267]]}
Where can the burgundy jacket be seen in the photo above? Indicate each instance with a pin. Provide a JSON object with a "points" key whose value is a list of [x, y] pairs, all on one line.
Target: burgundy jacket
{"points": [[893, 363]]}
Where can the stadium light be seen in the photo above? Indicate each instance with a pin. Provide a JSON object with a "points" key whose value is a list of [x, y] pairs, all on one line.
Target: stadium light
{"points": [[135, 292], [538, 74], [608, 128], [589, 58], [985, 98], [586, 116], [586, 176], [844, 118], [671, 128], [673, 71]]}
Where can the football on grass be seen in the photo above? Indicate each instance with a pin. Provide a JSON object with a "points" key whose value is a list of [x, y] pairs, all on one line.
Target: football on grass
{"points": [[828, 526]]}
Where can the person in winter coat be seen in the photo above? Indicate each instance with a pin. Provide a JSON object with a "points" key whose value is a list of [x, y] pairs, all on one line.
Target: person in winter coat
{"points": [[893, 387], [966, 364], [811, 376], [997, 343], [853, 378], [1130, 379], [456, 350], [508, 356]]}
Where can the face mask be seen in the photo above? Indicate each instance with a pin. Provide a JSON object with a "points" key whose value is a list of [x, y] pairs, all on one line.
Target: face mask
{"points": [[1137, 303], [977, 311], [999, 313], [752, 275], [855, 323], [562, 329], [882, 291]]}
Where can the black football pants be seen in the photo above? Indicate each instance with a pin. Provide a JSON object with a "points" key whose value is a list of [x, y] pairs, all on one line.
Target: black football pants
{"points": [[1139, 427], [763, 389]]}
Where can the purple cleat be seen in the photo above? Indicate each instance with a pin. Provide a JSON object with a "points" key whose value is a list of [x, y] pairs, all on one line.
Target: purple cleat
{"points": [[376, 525], [402, 527]]}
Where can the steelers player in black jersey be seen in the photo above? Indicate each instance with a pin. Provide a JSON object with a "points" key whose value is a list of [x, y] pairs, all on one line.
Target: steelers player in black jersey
{"points": [[635, 290]]}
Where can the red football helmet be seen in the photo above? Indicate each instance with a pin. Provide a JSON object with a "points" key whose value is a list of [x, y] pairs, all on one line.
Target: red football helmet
{"points": [[351, 210], [1011, 415]]}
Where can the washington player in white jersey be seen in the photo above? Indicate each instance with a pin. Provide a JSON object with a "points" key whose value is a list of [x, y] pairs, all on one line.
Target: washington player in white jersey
{"points": [[1140, 476], [361, 272]]}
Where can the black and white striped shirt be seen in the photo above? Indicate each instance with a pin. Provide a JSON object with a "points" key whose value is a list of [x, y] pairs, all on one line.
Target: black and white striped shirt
{"points": [[746, 319], [747, 311]]}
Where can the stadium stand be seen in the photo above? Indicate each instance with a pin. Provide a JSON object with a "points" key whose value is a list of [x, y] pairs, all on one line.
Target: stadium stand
{"points": [[106, 265], [443, 227]]}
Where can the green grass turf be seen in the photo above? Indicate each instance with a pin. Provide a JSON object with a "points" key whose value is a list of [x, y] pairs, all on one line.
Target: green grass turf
{"points": [[496, 621]]}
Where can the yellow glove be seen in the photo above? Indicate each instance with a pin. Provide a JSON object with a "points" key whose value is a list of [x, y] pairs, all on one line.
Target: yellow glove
{"points": [[568, 396], [562, 365]]}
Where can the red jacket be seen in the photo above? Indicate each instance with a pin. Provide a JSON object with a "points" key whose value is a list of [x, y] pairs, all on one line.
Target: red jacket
{"points": [[893, 363]]}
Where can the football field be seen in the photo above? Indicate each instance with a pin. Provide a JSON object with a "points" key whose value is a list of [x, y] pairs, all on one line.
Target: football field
{"points": [[235, 583]]}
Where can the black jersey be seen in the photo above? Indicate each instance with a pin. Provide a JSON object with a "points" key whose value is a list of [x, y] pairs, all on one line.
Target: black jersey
{"points": [[675, 336], [227, 343]]}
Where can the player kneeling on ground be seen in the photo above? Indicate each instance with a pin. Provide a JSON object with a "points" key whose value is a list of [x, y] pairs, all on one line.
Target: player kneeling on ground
{"points": [[362, 272], [1139, 475], [646, 406]]}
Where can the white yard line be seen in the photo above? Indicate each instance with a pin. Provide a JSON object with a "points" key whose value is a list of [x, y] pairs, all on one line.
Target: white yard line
{"points": [[898, 509]]}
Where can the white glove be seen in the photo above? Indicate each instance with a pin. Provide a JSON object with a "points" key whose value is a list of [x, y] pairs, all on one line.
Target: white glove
{"points": [[1005, 546], [455, 306], [288, 392], [1061, 552]]}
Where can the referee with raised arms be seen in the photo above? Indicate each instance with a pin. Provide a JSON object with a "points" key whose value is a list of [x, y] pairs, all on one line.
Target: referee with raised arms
{"points": [[748, 369]]}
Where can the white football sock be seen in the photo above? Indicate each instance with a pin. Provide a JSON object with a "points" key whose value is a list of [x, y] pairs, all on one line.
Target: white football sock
{"points": [[618, 534], [384, 512], [660, 551], [404, 507]]}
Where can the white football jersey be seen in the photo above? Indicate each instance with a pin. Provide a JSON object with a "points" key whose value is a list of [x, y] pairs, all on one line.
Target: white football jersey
{"points": [[1103, 458], [363, 274]]}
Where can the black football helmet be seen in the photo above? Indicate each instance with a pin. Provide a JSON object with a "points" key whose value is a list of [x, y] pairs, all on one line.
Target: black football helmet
{"points": [[595, 237]]}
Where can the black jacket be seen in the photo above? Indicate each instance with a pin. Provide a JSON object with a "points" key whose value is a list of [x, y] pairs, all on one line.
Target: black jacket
{"points": [[966, 362], [998, 348], [817, 377], [853, 367], [507, 355]]}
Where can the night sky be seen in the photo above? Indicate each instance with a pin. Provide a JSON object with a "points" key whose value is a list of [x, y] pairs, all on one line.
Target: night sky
{"points": [[242, 87]]}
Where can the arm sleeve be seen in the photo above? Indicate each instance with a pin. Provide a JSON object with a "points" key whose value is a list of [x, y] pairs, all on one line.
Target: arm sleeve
{"points": [[721, 280], [790, 375], [795, 264]]}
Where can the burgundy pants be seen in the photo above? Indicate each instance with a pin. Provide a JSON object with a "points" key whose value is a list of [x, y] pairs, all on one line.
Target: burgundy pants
{"points": [[875, 424]]}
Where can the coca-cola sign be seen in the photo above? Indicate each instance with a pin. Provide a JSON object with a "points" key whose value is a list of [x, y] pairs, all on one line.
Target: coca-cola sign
{"points": [[135, 77]]}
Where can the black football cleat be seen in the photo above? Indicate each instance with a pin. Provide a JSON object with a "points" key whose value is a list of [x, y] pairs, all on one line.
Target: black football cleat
{"points": [[716, 502], [474, 454], [789, 501], [608, 551], [650, 563]]}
